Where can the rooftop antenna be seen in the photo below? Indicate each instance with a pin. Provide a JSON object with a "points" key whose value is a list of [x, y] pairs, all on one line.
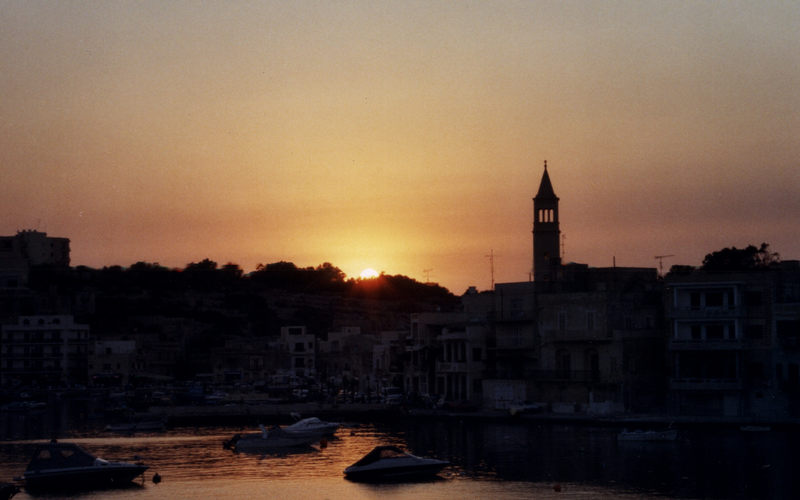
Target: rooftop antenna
{"points": [[491, 265], [660, 259], [427, 273]]}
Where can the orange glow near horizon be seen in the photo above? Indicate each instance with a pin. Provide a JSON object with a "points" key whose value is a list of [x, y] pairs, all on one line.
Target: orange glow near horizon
{"points": [[369, 273], [410, 134]]}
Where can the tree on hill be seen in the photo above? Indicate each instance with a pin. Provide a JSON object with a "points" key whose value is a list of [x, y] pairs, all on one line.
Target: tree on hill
{"points": [[287, 276], [401, 288], [745, 259]]}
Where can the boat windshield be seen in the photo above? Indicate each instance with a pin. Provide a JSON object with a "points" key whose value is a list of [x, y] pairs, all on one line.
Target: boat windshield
{"points": [[310, 421], [58, 456], [381, 452]]}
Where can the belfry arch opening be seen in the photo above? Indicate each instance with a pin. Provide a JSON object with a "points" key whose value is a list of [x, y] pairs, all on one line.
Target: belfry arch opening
{"points": [[546, 215]]}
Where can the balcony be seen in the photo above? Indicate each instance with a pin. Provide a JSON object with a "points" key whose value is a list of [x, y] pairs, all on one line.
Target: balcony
{"points": [[513, 316], [564, 336], [706, 313], [452, 367], [583, 376], [792, 343], [706, 345], [704, 384]]}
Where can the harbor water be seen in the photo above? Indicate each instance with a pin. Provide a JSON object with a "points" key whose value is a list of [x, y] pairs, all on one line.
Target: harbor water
{"points": [[488, 460]]}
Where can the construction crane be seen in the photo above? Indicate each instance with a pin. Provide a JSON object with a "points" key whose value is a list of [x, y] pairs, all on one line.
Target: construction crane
{"points": [[427, 273], [660, 259]]}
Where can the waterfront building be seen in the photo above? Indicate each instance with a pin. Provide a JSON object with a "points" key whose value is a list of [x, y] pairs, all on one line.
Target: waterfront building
{"points": [[344, 360], [734, 342], [387, 358], [34, 248], [245, 360], [301, 347], [43, 351], [461, 362], [111, 362], [575, 338], [446, 353]]}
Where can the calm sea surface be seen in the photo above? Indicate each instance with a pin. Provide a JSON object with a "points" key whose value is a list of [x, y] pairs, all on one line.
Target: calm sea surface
{"points": [[489, 460]]}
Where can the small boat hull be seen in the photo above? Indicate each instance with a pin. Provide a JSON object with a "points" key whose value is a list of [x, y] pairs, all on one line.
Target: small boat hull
{"points": [[59, 467], [271, 440], [396, 473], [95, 477]]}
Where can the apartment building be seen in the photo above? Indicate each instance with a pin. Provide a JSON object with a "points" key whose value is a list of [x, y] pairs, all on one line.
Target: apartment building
{"points": [[44, 350], [733, 342]]}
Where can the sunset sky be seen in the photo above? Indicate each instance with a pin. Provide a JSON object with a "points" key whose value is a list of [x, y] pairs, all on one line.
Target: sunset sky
{"points": [[400, 136]]}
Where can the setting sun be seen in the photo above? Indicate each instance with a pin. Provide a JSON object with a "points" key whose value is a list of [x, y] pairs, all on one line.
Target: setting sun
{"points": [[369, 273]]}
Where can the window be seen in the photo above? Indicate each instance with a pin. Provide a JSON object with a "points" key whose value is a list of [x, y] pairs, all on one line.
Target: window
{"points": [[694, 300], [299, 347], [697, 332], [793, 375], [562, 321], [755, 371], [593, 362], [754, 331], [563, 364], [590, 320], [477, 354], [714, 299], [714, 331]]}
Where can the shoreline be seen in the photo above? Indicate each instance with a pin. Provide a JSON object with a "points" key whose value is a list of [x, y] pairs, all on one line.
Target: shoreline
{"points": [[286, 413]]}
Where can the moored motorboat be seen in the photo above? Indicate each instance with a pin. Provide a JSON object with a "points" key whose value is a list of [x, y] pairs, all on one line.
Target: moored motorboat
{"points": [[152, 424], [311, 427], [390, 463], [66, 466], [268, 440]]}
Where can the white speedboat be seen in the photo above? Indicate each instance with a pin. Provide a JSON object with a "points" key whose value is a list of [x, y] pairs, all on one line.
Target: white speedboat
{"points": [[146, 424], [390, 462], [66, 466], [311, 427], [649, 435], [268, 440]]}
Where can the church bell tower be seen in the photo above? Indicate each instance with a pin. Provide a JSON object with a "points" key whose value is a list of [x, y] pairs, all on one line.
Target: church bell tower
{"points": [[546, 234]]}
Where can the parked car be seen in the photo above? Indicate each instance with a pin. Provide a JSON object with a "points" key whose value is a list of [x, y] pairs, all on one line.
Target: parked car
{"points": [[392, 396], [526, 407]]}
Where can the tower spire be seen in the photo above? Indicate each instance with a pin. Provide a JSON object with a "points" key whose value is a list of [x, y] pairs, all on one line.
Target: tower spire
{"points": [[546, 233]]}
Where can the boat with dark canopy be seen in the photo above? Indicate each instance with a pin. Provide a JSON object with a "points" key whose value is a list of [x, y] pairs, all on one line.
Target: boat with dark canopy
{"points": [[385, 463], [66, 466]]}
